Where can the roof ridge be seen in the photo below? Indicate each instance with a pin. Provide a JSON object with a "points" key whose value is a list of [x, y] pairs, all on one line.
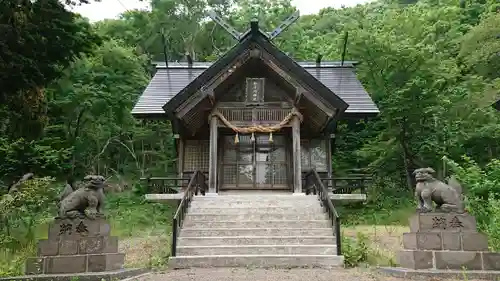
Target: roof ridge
{"points": [[304, 64]]}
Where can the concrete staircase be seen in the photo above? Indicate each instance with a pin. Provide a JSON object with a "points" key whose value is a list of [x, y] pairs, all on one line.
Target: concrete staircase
{"points": [[255, 230]]}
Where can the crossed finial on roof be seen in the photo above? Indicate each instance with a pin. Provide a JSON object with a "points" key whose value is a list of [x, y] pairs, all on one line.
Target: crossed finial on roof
{"points": [[238, 36]]}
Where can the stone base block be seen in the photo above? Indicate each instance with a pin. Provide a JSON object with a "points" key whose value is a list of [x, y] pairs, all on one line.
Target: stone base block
{"points": [[72, 229], [105, 262], [453, 241], [422, 241], [98, 245], [74, 264], [474, 241], [438, 222], [415, 259], [448, 260], [421, 274], [35, 266], [65, 264], [458, 260], [82, 245], [48, 248], [87, 276], [491, 261]]}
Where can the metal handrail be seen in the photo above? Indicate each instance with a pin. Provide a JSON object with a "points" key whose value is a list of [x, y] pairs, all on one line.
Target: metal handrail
{"points": [[360, 182], [314, 182], [161, 184], [196, 184]]}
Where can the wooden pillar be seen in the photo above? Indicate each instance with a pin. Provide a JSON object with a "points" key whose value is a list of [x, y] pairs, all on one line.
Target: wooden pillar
{"points": [[180, 161], [297, 169], [333, 146], [330, 139], [212, 165], [328, 143]]}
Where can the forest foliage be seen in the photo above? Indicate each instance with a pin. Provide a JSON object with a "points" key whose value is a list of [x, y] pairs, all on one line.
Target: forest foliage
{"points": [[432, 67]]}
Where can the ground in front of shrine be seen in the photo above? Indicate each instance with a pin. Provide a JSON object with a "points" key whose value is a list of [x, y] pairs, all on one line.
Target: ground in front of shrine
{"points": [[257, 274]]}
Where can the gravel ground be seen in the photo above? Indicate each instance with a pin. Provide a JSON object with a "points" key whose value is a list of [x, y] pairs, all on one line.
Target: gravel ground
{"points": [[241, 274]]}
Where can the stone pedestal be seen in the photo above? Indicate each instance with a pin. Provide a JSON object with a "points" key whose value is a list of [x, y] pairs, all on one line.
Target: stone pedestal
{"points": [[446, 241], [445, 245], [76, 246]]}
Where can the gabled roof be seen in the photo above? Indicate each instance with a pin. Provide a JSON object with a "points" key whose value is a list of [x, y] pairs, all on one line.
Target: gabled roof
{"points": [[167, 82], [335, 83]]}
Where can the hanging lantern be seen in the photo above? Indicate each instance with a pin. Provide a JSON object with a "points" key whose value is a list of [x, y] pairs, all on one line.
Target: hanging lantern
{"points": [[236, 139], [253, 138], [271, 137]]}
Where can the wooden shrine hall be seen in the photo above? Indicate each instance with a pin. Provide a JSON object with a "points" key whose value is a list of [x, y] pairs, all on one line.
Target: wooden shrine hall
{"points": [[255, 119]]}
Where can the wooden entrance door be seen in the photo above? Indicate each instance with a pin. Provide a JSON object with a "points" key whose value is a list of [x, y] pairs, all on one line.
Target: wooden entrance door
{"points": [[258, 164]]}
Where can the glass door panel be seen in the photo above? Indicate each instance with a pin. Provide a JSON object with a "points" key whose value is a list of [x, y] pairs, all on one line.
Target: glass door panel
{"points": [[263, 173], [260, 164]]}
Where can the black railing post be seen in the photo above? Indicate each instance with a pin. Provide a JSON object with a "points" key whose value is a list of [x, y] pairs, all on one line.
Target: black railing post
{"points": [[174, 238], [324, 197], [149, 184], [338, 236]]}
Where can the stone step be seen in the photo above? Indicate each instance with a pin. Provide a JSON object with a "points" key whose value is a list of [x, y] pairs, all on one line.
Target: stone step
{"points": [[266, 261], [199, 232], [256, 205], [257, 250], [259, 196], [256, 240], [256, 199], [258, 224], [267, 209], [237, 217]]}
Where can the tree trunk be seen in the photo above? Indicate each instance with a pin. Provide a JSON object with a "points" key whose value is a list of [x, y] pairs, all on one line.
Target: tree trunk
{"points": [[407, 158]]}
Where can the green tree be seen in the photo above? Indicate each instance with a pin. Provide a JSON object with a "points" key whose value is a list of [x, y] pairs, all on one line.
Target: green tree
{"points": [[95, 96], [39, 39]]}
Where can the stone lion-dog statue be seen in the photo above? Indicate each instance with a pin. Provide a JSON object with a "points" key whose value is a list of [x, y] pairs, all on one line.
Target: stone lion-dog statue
{"points": [[448, 197], [87, 201]]}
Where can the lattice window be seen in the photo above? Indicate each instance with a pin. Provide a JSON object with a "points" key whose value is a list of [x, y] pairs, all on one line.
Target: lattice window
{"points": [[313, 154], [255, 90], [196, 155], [305, 155]]}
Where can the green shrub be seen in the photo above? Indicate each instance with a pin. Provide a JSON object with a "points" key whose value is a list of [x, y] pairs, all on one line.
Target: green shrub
{"points": [[482, 195], [22, 211], [21, 215], [355, 251]]}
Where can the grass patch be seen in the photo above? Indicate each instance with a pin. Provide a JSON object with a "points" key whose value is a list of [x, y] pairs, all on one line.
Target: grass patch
{"points": [[384, 207], [372, 233], [367, 245], [144, 228], [397, 215], [130, 215]]}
